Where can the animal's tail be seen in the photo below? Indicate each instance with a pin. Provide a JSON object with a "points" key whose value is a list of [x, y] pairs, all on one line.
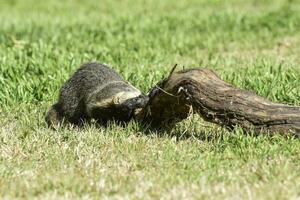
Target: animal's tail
{"points": [[54, 117]]}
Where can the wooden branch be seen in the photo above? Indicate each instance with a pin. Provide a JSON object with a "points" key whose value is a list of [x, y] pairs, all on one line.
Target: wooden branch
{"points": [[203, 92]]}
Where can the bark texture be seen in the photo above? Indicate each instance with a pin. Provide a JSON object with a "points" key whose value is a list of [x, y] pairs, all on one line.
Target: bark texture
{"points": [[202, 91]]}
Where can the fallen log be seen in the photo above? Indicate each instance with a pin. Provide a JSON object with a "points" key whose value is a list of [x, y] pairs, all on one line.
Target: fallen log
{"points": [[202, 91]]}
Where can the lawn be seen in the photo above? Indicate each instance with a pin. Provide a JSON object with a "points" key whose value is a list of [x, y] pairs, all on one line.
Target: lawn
{"points": [[254, 45]]}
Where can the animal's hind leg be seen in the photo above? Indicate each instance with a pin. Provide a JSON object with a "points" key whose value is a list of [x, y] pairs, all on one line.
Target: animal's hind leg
{"points": [[54, 117]]}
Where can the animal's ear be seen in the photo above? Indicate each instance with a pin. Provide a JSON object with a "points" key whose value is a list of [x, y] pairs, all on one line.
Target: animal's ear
{"points": [[118, 98], [121, 97]]}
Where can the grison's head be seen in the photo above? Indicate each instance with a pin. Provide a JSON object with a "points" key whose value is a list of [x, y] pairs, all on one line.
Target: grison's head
{"points": [[120, 107]]}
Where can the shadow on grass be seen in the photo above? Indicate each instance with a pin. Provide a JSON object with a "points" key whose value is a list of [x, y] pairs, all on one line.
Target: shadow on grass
{"points": [[193, 128]]}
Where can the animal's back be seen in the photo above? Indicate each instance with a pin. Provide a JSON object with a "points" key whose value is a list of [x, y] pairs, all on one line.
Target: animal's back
{"points": [[88, 77]]}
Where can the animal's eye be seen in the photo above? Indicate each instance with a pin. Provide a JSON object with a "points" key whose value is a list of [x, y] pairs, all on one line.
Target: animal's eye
{"points": [[125, 109]]}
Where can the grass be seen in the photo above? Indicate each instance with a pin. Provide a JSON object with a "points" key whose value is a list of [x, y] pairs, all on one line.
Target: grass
{"points": [[253, 45]]}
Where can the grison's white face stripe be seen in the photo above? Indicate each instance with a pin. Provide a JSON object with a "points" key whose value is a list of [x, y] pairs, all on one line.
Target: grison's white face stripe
{"points": [[99, 89], [118, 98]]}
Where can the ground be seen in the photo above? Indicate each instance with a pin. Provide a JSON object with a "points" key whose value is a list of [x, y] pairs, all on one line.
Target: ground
{"points": [[254, 45]]}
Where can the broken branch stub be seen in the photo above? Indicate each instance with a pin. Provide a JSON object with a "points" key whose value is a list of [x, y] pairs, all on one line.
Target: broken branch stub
{"points": [[202, 91]]}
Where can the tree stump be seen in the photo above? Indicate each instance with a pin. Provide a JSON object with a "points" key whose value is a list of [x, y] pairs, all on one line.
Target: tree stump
{"points": [[202, 91]]}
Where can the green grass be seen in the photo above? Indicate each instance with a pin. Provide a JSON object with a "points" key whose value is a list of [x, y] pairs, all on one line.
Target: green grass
{"points": [[253, 45]]}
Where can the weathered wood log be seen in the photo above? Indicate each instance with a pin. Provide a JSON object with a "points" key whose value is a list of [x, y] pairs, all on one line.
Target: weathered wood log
{"points": [[202, 91]]}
